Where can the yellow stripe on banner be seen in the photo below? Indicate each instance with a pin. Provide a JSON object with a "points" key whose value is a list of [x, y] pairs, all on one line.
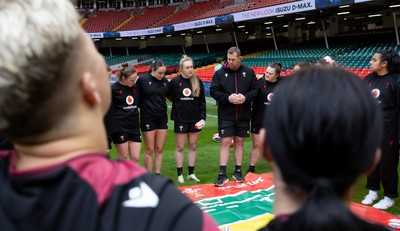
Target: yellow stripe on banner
{"points": [[248, 225]]}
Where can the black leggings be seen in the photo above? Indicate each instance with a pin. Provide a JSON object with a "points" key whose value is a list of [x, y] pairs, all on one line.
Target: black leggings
{"points": [[386, 170]]}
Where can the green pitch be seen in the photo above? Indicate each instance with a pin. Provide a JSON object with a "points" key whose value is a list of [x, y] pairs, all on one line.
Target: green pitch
{"points": [[207, 162]]}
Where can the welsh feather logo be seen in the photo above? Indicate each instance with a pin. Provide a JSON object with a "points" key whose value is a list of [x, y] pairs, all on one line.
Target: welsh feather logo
{"points": [[376, 93], [129, 100], [186, 92]]}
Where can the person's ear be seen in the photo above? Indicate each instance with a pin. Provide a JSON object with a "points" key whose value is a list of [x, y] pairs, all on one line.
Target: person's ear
{"points": [[377, 158], [265, 150], [385, 63], [89, 88]]}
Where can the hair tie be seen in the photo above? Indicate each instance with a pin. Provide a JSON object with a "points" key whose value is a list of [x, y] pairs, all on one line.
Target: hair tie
{"points": [[329, 60], [322, 183]]}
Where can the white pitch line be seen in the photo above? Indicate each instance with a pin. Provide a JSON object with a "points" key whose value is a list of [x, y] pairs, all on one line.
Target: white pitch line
{"points": [[211, 101]]}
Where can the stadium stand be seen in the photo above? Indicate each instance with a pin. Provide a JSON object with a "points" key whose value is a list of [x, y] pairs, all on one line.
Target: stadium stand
{"points": [[352, 54], [147, 18], [105, 20], [249, 5]]}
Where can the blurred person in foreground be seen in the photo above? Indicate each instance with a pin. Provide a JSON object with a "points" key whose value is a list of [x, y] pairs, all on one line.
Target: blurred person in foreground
{"points": [[54, 94], [323, 132], [301, 65]]}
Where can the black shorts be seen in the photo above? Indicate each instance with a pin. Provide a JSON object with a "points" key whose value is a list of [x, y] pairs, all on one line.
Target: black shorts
{"points": [[150, 124], [255, 128], [231, 128], [109, 142], [123, 137], [180, 127]]}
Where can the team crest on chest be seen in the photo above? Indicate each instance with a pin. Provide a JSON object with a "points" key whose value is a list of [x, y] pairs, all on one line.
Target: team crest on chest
{"points": [[226, 75], [186, 92], [244, 74], [149, 83]]}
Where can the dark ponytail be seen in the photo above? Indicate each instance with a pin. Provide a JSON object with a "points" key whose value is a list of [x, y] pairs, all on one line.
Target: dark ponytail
{"points": [[156, 64], [316, 132], [277, 67], [392, 58]]}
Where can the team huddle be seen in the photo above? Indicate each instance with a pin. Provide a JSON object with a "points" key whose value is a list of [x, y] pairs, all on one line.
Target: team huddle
{"points": [[323, 129], [241, 98]]}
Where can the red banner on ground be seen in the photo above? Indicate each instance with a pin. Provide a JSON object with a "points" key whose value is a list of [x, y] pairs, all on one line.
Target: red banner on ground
{"points": [[249, 205]]}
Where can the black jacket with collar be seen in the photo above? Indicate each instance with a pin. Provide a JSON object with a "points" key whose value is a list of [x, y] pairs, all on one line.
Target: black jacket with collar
{"points": [[226, 82]]}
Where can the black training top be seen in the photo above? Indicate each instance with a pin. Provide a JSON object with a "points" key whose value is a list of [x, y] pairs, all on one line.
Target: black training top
{"points": [[125, 107], [152, 96], [92, 192], [185, 107], [386, 89], [262, 100]]}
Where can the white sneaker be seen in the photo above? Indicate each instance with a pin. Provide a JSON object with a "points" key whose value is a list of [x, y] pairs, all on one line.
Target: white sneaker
{"points": [[181, 180], [385, 203], [193, 178], [369, 199]]}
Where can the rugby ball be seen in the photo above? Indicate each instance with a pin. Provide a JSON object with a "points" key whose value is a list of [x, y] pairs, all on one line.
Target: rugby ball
{"points": [[394, 223], [216, 138], [199, 124]]}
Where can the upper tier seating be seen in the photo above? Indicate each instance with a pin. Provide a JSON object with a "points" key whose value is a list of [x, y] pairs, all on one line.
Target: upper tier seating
{"points": [[105, 21], [249, 5], [147, 18], [191, 13]]}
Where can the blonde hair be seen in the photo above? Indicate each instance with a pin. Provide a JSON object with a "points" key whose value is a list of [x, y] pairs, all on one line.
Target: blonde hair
{"points": [[39, 45], [194, 81]]}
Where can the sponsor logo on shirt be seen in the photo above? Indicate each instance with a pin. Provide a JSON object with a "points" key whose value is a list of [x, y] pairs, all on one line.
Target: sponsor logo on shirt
{"points": [[269, 96], [129, 100], [376, 93], [186, 92], [141, 197]]}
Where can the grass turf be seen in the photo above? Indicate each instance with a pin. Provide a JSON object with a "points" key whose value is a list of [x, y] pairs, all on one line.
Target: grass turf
{"points": [[207, 161]]}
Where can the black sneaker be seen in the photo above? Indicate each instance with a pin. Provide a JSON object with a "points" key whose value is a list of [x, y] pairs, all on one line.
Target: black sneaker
{"points": [[221, 180], [250, 170], [238, 177]]}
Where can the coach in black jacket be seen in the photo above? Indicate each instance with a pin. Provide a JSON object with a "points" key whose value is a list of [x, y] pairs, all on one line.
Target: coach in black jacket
{"points": [[234, 86]]}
